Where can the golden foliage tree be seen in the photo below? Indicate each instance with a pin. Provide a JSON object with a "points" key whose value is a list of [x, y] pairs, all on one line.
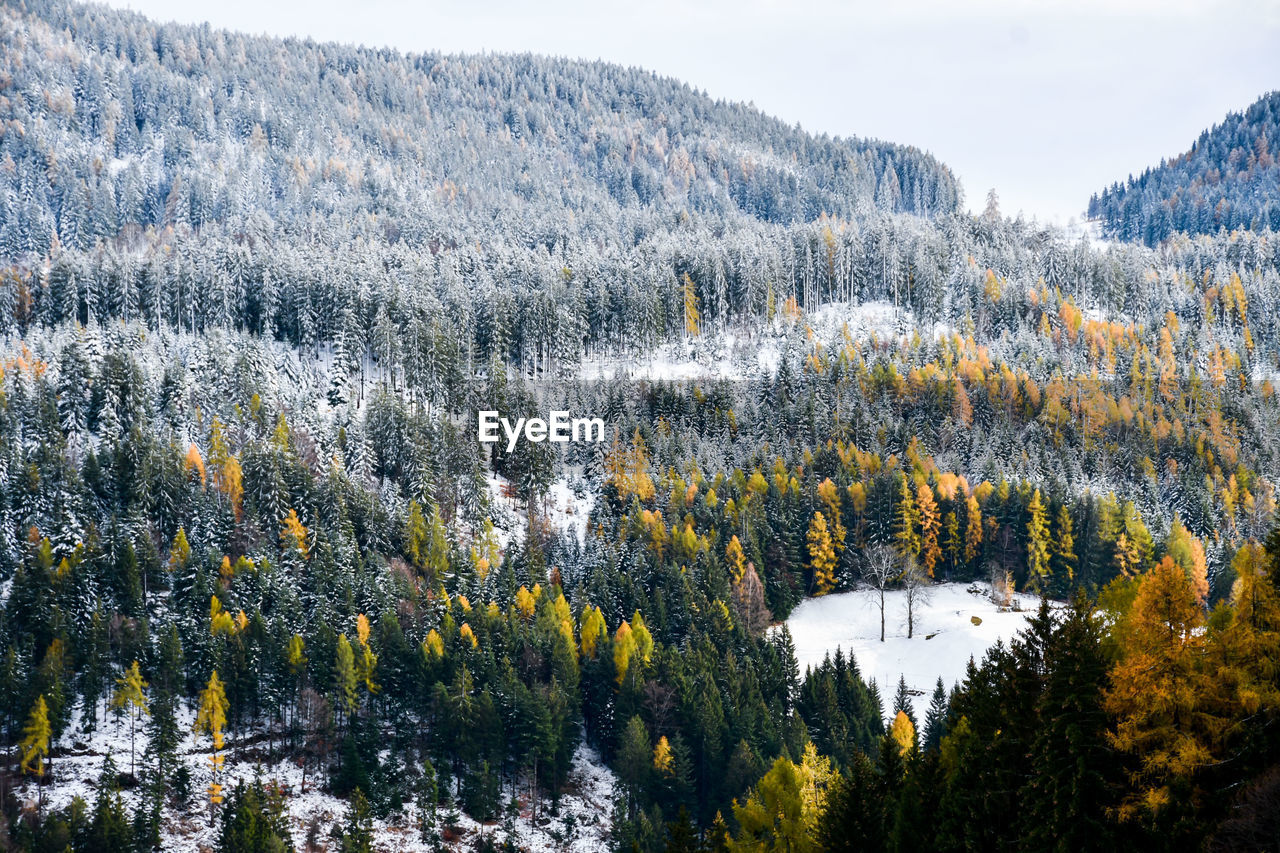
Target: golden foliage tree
{"points": [[735, 560], [692, 319], [227, 475], [822, 555], [930, 527], [293, 535], [1037, 541], [212, 719], [36, 735], [627, 470], [624, 649], [1160, 695], [1186, 549], [593, 631], [131, 697], [903, 732]]}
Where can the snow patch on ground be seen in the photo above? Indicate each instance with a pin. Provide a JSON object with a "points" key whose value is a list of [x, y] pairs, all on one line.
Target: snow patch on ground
{"points": [[944, 640], [722, 355], [583, 822], [566, 506], [746, 353]]}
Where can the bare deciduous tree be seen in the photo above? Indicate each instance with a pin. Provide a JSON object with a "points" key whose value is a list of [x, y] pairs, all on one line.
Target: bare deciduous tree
{"points": [[1001, 584], [915, 580], [879, 571], [748, 602]]}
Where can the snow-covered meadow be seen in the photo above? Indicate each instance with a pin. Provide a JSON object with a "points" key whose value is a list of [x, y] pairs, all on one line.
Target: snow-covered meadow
{"points": [[944, 639]]}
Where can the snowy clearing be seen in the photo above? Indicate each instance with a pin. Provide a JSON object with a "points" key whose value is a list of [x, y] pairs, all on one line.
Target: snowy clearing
{"points": [[746, 353], [944, 638]]}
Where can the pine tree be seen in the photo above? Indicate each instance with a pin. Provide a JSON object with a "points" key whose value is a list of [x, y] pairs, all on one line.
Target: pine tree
{"points": [[635, 766], [593, 630], [692, 318], [773, 817], [749, 602], [903, 733], [853, 820], [1161, 698], [1188, 552], [1062, 548], [1072, 767], [415, 535], [735, 560], [972, 530], [357, 831], [906, 520], [109, 827], [935, 719]]}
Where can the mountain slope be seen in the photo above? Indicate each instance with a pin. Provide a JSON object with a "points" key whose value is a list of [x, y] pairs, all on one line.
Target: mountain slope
{"points": [[1230, 179], [114, 120]]}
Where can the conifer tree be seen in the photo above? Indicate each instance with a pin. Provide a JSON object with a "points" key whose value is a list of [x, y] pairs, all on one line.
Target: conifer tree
{"points": [[930, 527], [345, 679], [1038, 565], [36, 737], [1161, 698], [935, 719], [972, 530], [903, 733], [1073, 770], [211, 719], [906, 520], [131, 697], [357, 831], [822, 555], [1062, 548]]}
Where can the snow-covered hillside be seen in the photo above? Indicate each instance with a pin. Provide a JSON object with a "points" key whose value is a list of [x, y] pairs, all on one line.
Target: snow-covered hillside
{"points": [[581, 825], [945, 635]]}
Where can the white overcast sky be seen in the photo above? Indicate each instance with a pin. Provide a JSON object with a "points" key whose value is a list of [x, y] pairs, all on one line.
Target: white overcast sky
{"points": [[1044, 100]]}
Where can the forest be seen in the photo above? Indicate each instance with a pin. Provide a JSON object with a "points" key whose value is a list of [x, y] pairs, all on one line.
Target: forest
{"points": [[1228, 180], [253, 293]]}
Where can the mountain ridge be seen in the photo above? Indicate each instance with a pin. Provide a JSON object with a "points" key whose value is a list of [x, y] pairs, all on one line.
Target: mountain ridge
{"points": [[1229, 178], [245, 122]]}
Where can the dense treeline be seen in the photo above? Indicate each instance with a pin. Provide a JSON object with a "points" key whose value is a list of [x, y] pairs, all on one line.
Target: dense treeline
{"points": [[1136, 725], [117, 123], [192, 504], [253, 293], [1229, 180]]}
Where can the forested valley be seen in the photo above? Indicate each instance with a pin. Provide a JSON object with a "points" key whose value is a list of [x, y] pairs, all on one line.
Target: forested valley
{"points": [[262, 588]]}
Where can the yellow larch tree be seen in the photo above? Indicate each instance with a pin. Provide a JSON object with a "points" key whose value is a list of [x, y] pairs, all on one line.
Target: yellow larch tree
{"points": [[593, 630], [624, 649], [212, 719], [822, 555], [293, 534], [1160, 696], [692, 319], [131, 697], [930, 527]]}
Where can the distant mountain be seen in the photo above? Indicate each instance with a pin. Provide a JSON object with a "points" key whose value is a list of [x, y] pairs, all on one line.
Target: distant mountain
{"points": [[113, 120], [1229, 179]]}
